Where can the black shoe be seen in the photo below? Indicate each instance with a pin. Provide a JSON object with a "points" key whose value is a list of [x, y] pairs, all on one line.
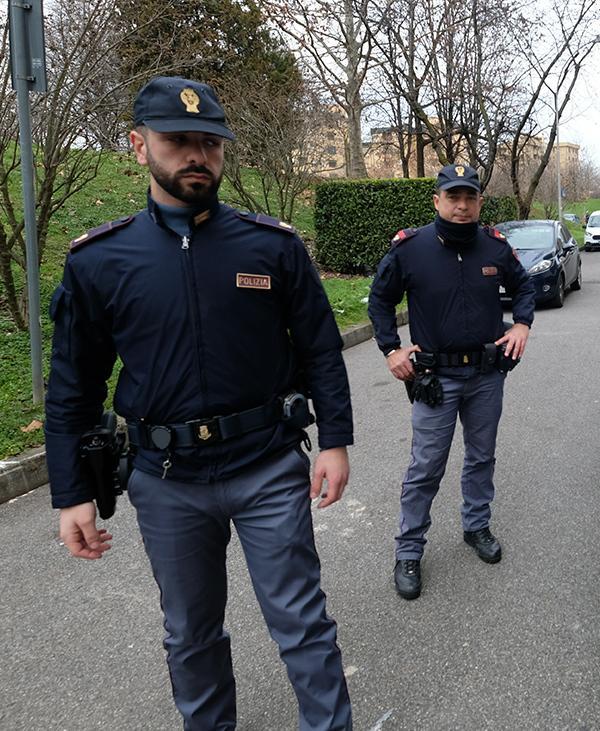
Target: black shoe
{"points": [[487, 547], [407, 577]]}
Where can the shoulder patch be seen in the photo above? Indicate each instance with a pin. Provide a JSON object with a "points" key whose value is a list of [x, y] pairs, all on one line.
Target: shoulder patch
{"points": [[403, 235], [262, 220], [98, 232], [495, 234]]}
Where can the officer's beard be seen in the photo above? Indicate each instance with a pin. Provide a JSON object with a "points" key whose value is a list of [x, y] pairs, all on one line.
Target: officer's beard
{"points": [[198, 195], [456, 235]]}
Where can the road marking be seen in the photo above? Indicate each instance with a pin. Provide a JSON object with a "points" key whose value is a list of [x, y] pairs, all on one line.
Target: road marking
{"points": [[379, 725]]}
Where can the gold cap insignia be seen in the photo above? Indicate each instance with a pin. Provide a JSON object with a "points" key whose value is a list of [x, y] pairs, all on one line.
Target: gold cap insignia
{"points": [[460, 171], [465, 359], [191, 100]]}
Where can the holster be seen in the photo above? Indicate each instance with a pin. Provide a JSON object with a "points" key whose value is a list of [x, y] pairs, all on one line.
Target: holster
{"points": [[505, 363], [494, 357], [105, 463], [489, 357]]}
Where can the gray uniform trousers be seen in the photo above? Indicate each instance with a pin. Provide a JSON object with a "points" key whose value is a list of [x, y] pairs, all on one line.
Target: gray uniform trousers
{"points": [[477, 399], [186, 528]]}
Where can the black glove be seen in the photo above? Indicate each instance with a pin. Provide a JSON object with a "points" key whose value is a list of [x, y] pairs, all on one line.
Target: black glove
{"points": [[428, 389]]}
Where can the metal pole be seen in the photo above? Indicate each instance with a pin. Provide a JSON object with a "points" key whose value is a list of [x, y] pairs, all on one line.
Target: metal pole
{"points": [[18, 9], [558, 157]]}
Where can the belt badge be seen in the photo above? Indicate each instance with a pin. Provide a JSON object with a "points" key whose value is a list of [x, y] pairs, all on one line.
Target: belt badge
{"points": [[204, 432], [191, 100]]}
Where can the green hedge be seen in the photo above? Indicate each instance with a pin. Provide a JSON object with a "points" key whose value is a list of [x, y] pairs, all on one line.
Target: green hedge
{"points": [[356, 219]]}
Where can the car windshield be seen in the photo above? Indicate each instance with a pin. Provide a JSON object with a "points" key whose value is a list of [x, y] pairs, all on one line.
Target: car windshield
{"points": [[529, 236], [594, 221]]}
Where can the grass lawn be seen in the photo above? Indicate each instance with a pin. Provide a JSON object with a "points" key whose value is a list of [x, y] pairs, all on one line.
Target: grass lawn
{"points": [[119, 189], [578, 230]]}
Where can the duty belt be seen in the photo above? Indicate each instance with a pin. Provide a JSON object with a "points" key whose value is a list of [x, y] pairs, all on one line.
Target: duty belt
{"points": [[292, 409], [204, 431], [485, 358], [460, 358]]}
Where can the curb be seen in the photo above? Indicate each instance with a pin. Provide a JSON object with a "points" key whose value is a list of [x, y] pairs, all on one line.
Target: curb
{"points": [[24, 472]]}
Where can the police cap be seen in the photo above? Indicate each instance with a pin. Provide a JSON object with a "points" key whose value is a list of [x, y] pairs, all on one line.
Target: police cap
{"points": [[458, 176], [173, 104]]}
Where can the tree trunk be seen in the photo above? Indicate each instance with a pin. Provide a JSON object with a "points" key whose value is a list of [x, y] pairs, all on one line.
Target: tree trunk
{"points": [[8, 282], [356, 159], [420, 150]]}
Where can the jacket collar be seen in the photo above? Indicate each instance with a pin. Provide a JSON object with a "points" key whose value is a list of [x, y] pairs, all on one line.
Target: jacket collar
{"points": [[197, 218]]}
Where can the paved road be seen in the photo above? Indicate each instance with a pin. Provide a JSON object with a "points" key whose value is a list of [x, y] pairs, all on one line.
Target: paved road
{"points": [[513, 646]]}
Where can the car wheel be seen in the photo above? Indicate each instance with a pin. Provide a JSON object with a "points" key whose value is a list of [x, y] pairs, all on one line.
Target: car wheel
{"points": [[578, 282], [559, 298]]}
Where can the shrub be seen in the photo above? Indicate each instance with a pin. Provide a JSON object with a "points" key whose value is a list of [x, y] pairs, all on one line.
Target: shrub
{"points": [[356, 219]]}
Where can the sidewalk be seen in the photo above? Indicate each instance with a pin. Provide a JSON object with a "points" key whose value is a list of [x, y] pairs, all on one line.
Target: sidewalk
{"points": [[26, 471]]}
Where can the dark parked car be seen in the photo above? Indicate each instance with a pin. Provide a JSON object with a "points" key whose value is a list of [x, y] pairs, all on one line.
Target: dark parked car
{"points": [[549, 253]]}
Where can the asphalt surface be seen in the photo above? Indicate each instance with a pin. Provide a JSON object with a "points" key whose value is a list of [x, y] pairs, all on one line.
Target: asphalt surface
{"points": [[512, 646]]}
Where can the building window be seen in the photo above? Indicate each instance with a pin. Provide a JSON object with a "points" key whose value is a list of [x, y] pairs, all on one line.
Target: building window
{"points": [[331, 150], [332, 163]]}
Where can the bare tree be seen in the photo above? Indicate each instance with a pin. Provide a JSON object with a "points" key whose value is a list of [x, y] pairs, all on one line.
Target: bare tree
{"points": [[407, 36], [588, 183], [83, 107], [556, 48], [276, 152], [450, 64], [335, 45]]}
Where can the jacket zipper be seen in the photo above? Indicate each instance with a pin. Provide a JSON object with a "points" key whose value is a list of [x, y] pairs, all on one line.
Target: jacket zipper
{"points": [[194, 311], [462, 286]]}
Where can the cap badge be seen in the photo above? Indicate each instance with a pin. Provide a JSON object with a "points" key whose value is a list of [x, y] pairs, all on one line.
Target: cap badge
{"points": [[191, 100], [460, 171]]}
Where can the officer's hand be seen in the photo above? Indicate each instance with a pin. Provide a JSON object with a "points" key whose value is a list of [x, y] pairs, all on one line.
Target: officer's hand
{"points": [[331, 465], [79, 533], [400, 364], [515, 339]]}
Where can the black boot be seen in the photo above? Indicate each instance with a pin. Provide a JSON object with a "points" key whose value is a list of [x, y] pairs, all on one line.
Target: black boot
{"points": [[487, 547], [407, 577]]}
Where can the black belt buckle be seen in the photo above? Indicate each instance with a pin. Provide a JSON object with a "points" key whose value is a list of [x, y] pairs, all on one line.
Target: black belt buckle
{"points": [[160, 436], [207, 431]]}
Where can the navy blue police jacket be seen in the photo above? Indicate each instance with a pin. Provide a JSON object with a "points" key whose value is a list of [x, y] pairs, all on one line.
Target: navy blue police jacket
{"points": [[206, 325], [453, 294]]}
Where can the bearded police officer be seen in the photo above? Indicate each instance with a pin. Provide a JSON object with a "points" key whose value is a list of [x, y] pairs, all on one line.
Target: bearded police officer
{"points": [[222, 327], [450, 271]]}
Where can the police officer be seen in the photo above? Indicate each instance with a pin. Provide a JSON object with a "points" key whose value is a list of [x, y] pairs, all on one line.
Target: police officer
{"points": [[220, 321], [450, 271]]}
